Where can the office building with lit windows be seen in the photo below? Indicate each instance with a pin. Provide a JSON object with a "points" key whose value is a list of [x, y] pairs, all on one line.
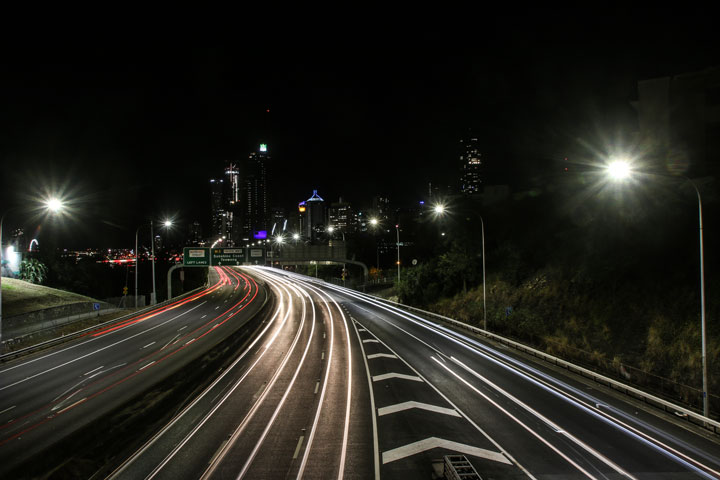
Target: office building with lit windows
{"points": [[470, 166]]}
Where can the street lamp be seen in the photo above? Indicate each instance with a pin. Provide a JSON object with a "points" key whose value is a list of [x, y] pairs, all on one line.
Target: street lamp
{"points": [[53, 205], [153, 295], [397, 231], [439, 211], [621, 170]]}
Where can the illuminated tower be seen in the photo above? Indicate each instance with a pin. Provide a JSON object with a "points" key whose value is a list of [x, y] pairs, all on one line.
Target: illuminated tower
{"points": [[315, 214], [255, 208], [470, 166], [217, 206]]}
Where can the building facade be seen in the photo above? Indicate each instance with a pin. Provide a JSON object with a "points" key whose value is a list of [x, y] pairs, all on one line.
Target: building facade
{"points": [[470, 166]]}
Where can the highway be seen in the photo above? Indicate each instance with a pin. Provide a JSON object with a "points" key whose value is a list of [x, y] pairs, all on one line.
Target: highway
{"points": [[63, 406], [435, 391], [332, 383]]}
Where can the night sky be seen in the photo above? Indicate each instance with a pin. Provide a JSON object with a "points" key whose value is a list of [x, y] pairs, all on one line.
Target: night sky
{"points": [[131, 132]]}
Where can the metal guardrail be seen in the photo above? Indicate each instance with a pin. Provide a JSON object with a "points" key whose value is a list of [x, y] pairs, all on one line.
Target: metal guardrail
{"points": [[690, 415]]}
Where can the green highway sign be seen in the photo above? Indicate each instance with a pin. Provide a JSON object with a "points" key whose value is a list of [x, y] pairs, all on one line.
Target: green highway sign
{"points": [[196, 257], [227, 256]]}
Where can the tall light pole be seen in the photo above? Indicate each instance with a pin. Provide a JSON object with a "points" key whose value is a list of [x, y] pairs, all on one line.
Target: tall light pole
{"points": [[53, 205], [153, 295], [439, 210], [374, 222], [397, 231], [620, 170]]}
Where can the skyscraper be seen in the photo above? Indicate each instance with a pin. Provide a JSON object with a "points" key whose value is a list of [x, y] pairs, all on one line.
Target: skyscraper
{"points": [[255, 208], [217, 208], [470, 166], [315, 214]]}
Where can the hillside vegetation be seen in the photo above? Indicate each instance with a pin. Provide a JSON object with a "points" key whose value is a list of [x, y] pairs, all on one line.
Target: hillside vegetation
{"points": [[605, 277]]}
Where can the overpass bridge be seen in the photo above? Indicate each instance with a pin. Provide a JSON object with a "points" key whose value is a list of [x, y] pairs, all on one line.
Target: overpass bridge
{"points": [[302, 254]]}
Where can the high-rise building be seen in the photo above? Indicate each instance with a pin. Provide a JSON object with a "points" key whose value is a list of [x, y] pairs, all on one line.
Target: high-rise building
{"points": [[195, 231], [315, 216], [217, 208], [341, 217], [255, 208], [470, 166], [278, 221]]}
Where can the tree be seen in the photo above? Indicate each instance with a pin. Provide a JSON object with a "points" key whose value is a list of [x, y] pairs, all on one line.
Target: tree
{"points": [[33, 270]]}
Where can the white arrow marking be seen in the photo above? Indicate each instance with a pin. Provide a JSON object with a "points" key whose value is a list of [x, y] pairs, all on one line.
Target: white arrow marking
{"points": [[434, 442], [408, 405], [386, 376]]}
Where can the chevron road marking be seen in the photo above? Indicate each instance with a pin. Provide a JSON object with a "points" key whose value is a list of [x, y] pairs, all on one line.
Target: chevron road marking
{"points": [[399, 407], [386, 376], [379, 355], [434, 442]]}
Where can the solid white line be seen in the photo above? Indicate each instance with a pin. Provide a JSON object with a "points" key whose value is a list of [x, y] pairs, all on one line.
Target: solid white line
{"points": [[68, 398], [401, 407], [91, 371], [168, 343], [7, 409], [386, 376], [71, 406], [143, 368], [376, 447]]}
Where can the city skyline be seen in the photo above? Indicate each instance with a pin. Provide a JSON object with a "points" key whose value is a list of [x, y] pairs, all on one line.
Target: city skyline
{"points": [[131, 135]]}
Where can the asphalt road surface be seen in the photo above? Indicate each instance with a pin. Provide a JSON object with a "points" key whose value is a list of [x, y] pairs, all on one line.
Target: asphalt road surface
{"points": [[47, 397]]}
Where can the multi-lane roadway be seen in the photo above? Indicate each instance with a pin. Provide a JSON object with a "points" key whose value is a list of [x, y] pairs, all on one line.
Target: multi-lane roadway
{"points": [[331, 383], [53, 403]]}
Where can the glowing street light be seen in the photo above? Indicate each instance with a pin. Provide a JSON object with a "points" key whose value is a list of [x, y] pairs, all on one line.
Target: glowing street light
{"points": [[619, 170], [439, 209], [53, 205]]}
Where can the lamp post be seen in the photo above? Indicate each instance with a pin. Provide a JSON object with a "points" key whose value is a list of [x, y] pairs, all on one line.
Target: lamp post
{"points": [[153, 295], [53, 205], [397, 231], [439, 210], [620, 170], [374, 222]]}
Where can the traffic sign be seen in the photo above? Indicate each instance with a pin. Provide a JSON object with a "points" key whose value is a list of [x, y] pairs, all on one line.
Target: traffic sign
{"points": [[125, 290], [196, 257], [227, 256]]}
